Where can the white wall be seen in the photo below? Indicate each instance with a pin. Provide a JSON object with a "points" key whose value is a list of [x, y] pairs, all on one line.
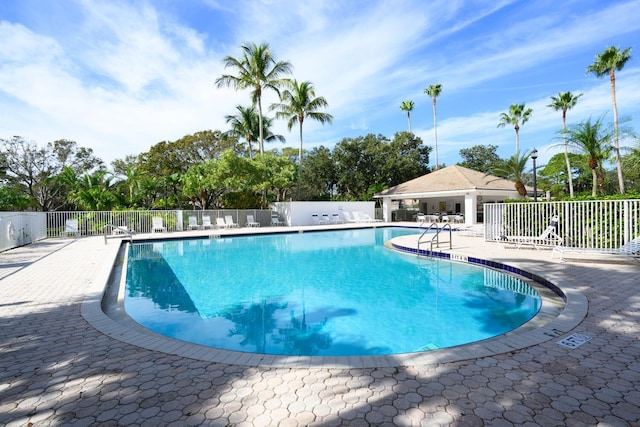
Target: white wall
{"points": [[21, 228], [299, 213]]}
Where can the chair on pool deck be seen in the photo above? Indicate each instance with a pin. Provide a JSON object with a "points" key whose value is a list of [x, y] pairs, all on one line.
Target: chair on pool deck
{"points": [[630, 249], [367, 218], [252, 222], [335, 219], [157, 225], [276, 221], [193, 223], [206, 222], [347, 216], [220, 222], [70, 228], [228, 220], [546, 237]]}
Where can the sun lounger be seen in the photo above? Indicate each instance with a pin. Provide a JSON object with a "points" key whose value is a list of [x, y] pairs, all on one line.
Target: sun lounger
{"points": [[206, 222], [276, 221], [252, 222], [629, 249], [228, 220], [367, 218], [220, 222], [70, 228], [193, 223], [157, 225], [547, 237], [347, 216]]}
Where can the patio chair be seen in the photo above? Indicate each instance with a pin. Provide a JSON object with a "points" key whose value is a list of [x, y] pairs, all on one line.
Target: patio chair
{"points": [[206, 222], [347, 216], [252, 222], [157, 225], [193, 223], [70, 228], [630, 249], [228, 220], [220, 222], [335, 219], [316, 220], [121, 230], [276, 221], [367, 218], [548, 236]]}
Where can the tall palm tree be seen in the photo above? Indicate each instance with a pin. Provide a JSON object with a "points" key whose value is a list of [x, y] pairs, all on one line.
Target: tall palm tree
{"points": [[517, 115], [563, 102], [434, 91], [297, 102], [513, 169], [594, 140], [408, 107], [608, 62], [256, 70]]}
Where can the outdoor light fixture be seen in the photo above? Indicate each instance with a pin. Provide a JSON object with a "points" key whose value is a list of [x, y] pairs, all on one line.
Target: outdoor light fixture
{"points": [[534, 156]]}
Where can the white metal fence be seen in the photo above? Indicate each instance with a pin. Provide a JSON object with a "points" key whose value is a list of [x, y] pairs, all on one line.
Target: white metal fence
{"points": [[603, 224], [91, 223]]}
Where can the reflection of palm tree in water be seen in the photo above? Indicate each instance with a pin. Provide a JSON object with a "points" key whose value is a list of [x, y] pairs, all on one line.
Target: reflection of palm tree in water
{"points": [[303, 340], [254, 322]]}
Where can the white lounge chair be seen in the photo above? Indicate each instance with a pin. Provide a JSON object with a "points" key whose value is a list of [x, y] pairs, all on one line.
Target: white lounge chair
{"points": [[228, 220], [276, 221], [629, 249], [367, 218], [252, 222], [335, 219], [121, 230], [324, 219], [220, 222], [193, 223], [357, 217], [347, 216], [548, 236], [206, 222], [157, 225], [70, 228]]}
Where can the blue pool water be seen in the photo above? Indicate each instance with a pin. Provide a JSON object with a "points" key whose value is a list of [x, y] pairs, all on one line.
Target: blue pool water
{"points": [[330, 293]]}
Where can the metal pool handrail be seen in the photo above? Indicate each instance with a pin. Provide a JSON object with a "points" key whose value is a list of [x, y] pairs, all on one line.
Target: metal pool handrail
{"points": [[435, 237], [115, 227]]}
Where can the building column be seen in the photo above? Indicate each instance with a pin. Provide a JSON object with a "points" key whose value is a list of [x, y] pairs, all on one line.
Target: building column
{"points": [[470, 208], [386, 209]]}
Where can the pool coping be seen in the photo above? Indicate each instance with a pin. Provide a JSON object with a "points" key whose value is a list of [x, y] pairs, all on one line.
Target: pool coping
{"points": [[544, 327]]}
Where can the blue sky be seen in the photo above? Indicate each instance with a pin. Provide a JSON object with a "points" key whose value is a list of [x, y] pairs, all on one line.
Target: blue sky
{"points": [[120, 76]]}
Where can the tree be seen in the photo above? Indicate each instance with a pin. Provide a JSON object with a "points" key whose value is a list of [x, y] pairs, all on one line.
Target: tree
{"points": [[434, 91], [32, 169], [482, 158], [513, 169], [257, 70], [563, 102], [608, 62], [594, 140], [244, 124], [297, 102], [319, 180], [631, 164], [516, 116], [408, 107]]}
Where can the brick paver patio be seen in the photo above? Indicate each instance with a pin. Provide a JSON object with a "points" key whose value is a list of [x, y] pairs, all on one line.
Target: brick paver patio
{"points": [[58, 369]]}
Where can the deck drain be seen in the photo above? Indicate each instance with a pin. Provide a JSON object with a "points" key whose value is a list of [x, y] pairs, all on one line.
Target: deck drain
{"points": [[574, 341]]}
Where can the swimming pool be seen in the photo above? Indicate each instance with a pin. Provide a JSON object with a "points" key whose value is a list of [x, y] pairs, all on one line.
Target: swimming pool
{"points": [[330, 293]]}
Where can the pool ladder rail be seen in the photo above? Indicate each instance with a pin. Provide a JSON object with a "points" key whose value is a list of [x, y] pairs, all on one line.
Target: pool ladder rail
{"points": [[436, 236], [116, 232]]}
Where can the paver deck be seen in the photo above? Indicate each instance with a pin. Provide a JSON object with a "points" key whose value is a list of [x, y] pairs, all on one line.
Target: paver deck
{"points": [[63, 364]]}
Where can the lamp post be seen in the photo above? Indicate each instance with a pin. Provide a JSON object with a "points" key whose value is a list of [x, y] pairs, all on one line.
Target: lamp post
{"points": [[534, 156]]}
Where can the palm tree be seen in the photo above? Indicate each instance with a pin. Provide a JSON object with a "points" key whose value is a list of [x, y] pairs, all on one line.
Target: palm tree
{"points": [[594, 140], [517, 115], [513, 169], [408, 107], [608, 62], [563, 102], [257, 70], [246, 124], [434, 91], [297, 102]]}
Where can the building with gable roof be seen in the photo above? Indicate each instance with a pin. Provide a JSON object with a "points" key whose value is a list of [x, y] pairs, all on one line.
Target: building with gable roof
{"points": [[451, 190]]}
